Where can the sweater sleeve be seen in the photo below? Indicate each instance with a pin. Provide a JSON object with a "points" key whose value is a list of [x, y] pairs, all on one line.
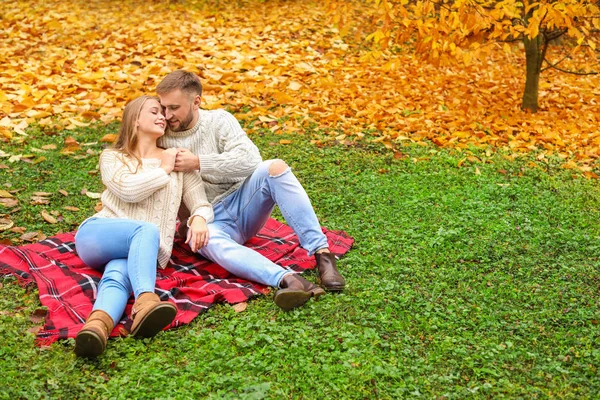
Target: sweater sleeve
{"points": [[238, 157], [129, 183], [194, 196]]}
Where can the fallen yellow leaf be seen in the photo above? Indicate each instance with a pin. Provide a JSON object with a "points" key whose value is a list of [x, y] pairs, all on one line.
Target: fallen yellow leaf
{"points": [[5, 224], [239, 307], [93, 195], [48, 218], [109, 138]]}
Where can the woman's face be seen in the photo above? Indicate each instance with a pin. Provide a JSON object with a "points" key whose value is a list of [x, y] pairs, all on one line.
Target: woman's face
{"points": [[151, 120]]}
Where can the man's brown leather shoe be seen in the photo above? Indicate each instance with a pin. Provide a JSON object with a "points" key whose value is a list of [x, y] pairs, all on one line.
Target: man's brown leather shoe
{"points": [[330, 278], [295, 292]]}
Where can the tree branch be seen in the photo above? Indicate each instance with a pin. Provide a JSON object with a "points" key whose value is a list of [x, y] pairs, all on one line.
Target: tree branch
{"points": [[543, 52], [554, 65], [515, 39], [543, 18], [555, 34], [544, 45], [564, 70]]}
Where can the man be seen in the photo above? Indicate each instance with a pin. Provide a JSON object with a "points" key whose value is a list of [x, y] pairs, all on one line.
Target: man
{"points": [[243, 190]]}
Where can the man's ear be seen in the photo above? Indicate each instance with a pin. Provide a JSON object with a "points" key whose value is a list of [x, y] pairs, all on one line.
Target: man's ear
{"points": [[197, 100]]}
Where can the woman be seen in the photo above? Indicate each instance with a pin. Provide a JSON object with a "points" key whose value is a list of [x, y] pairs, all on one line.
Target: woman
{"points": [[135, 228]]}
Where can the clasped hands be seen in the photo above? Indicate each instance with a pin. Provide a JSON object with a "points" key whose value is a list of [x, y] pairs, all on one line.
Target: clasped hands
{"points": [[179, 160]]}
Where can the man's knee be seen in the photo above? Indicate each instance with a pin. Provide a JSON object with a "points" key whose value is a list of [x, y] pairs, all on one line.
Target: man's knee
{"points": [[277, 168]]}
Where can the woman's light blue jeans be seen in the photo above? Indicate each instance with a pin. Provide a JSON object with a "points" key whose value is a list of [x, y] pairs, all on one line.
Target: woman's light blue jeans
{"points": [[239, 216], [127, 251]]}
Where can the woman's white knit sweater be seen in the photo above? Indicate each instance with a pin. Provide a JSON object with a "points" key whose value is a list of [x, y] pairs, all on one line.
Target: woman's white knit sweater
{"points": [[149, 194], [227, 156]]}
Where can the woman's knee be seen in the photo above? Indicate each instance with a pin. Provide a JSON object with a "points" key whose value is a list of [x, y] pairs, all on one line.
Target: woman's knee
{"points": [[149, 229]]}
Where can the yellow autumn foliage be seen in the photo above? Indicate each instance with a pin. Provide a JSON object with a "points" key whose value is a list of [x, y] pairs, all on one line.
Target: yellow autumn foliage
{"points": [[65, 64]]}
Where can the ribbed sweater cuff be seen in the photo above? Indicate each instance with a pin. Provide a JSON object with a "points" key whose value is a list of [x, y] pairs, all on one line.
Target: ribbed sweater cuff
{"points": [[208, 164], [203, 212]]}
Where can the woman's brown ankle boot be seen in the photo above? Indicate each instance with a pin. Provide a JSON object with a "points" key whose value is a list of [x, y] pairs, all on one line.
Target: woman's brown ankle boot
{"points": [[91, 339], [150, 315]]}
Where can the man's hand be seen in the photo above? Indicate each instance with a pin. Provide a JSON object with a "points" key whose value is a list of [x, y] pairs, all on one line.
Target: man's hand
{"points": [[197, 235], [186, 161]]}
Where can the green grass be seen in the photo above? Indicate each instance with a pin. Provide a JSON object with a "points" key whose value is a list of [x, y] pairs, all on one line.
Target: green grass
{"points": [[461, 284]]}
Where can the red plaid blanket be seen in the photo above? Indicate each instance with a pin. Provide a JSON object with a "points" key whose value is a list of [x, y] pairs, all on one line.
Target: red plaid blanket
{"points": [[67, 287]]}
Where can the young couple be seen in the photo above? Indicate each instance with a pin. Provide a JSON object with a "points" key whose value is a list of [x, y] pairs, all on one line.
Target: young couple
{"points": [[205, 163]]}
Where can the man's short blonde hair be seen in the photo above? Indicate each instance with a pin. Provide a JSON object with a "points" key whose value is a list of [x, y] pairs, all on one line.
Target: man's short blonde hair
{"points": [[186, 81]]}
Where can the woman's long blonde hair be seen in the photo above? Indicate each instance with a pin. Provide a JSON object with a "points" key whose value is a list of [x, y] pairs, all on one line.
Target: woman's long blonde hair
{"points": [[127, 138]]}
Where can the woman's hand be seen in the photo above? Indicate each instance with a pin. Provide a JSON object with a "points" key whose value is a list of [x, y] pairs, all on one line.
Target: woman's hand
{"points": [[197, 236], [167, 159]]}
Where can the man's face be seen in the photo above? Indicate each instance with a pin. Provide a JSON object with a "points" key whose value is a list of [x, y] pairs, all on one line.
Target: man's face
{"points": [[180, 109]]}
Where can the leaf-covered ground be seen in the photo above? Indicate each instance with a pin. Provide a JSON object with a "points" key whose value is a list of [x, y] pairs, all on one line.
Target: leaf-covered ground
{"points": [[64, 63]]}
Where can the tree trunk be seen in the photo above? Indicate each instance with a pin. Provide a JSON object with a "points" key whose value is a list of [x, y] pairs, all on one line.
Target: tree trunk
{"points": [[533, 61]]}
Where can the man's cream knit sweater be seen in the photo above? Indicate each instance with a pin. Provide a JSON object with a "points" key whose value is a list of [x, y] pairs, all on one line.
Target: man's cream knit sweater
{"points": [[227, 156], [150, 194]]}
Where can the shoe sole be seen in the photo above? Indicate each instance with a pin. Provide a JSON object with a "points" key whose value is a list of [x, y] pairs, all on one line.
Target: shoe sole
{"points": [[155, 321], [288, 299], [331, 288], [89, 344]]}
